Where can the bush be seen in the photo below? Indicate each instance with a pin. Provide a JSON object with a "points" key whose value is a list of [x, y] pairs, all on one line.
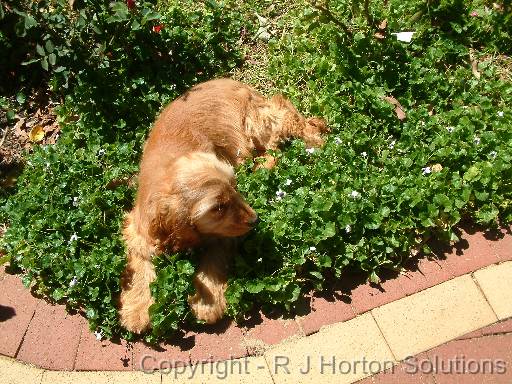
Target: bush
{"points": [[378, 188], [65, 217]]}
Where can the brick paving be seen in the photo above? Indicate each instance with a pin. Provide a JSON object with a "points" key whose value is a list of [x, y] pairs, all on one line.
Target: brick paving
{"points": [[479, 357], [17, 307], [164, 356], [221, 341], [37, 332], [325, 309], [52, 337], [104, 355], [268, 329]]}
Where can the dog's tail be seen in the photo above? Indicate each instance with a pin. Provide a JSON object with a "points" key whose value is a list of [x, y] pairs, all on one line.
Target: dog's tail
{"points": [[139, 272]]}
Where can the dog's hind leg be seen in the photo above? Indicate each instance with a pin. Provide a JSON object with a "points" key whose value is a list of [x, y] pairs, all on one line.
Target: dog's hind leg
{"points": [[136, 296], [210, 281]]}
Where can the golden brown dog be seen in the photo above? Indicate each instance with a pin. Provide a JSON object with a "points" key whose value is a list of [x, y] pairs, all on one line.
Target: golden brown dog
{"points": [[187, 191]]}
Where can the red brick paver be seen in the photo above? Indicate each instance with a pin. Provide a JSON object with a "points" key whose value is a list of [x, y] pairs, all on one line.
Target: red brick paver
{"points": [[478, 357], [487, 359], [164, 356], [504, 326], [17, 307], [368, 296], [473, 251], [406, 372], [102, 355], [261, 328], [324, 310], [221, 341], [471, 335], [52, 338], [423, 273], [502, 245], [500, 327]]}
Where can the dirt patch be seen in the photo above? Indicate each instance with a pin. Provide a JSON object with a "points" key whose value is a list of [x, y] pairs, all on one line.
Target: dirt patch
{"points": [[35, 125], [503, 65]]}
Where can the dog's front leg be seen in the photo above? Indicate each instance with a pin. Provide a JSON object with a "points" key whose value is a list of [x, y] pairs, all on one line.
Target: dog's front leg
{"points": [[210, 281], [136, 298]]}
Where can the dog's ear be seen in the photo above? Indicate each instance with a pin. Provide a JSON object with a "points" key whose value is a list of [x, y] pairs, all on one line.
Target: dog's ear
{"points": [[169, 223]]}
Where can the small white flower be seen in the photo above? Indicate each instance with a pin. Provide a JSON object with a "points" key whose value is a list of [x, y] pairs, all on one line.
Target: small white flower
{"points": [[99, 335], [312, 249], [364, 154], [477, 140], [404, 36], [450, 129], [426, 170], [337, 140], [48, 165], [101, 152], [493, 154], [73, 282], [500, 113], [392, 144], [348, 228], [259, 260], [355, 194], [280, 194], [73, 237], [75, 201], [288, 182], [310, 150]]}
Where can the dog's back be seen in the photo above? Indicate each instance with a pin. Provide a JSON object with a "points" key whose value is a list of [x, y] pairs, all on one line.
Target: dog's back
{"points": [[210, 117]]}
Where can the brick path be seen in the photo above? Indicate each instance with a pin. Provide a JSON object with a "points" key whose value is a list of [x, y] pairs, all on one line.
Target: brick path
{"points": [[38, 333], [473, 358]]}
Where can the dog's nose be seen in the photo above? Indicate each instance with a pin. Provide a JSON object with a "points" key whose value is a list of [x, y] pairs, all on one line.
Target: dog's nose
{"points": [[254, 220]]}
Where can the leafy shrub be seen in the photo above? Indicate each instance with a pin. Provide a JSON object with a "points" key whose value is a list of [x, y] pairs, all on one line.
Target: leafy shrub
{"points": [[93, 40], [374, 192], [64, 219], [379, 187]]}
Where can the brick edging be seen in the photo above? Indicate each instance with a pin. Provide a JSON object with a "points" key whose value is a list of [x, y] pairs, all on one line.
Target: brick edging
{"points": [[32, 339]]}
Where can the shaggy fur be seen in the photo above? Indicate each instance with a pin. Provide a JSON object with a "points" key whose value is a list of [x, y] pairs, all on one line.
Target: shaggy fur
{"points": [[187, 191]]}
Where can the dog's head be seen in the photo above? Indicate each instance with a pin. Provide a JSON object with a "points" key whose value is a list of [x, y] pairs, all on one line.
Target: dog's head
{"points": [[204, 201]]}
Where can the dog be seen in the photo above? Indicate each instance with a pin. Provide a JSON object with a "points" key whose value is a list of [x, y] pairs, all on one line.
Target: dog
{"points": [[187, 193]]}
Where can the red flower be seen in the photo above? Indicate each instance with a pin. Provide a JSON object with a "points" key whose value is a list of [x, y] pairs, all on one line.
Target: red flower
{"points": [[157, 28], [130, 4]]}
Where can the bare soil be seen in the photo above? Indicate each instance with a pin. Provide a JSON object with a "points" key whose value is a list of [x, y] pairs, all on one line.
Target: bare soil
{"points": [[35, 125]]}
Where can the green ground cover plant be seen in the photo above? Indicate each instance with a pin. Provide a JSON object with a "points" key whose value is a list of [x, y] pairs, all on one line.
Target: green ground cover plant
{"points": [[387, 178]]}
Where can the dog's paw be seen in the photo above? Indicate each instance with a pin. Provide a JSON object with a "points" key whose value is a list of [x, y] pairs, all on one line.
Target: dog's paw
{"points": [[134, 311], [209, 312], [135, 320]]}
